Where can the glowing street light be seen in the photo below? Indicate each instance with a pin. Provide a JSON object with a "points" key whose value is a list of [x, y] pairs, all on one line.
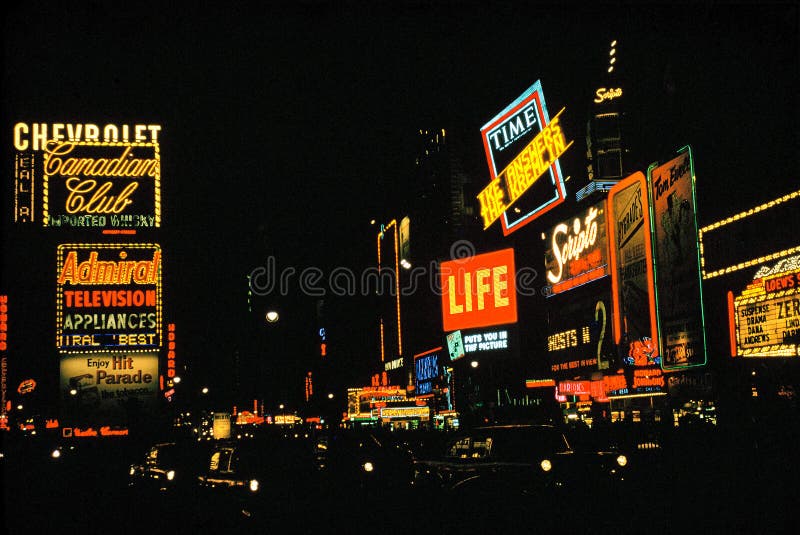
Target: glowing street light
{"points": [[474, 363], [204, 390], [272, 316]]}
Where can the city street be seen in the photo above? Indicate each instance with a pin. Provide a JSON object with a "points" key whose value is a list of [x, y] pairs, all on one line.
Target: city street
{"points": [[711, 484]]}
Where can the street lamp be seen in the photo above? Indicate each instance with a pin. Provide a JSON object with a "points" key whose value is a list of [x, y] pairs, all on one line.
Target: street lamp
{"points": [[204, 390], [272, 316]]}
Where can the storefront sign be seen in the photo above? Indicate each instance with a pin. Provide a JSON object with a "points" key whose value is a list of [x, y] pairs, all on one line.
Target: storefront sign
{"points": [[522, 148], [108, 297], [578, 250], [479, 291], [676, 257]]}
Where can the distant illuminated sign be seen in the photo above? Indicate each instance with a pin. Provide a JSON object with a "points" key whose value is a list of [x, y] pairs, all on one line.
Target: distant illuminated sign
{"points": [[3, 361], [605, 94], [393, 364], [767, 316], [106, 178], [677, 278], [108, 297], [578, 250], [388, 413], [522, 148], [455, 345], [426, 371], [27, 386], [103, 385], [479, 291], [580, 331]]}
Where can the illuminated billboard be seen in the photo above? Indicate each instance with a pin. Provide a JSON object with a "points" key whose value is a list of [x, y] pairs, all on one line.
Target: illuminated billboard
{"points": [[676, 258], [108, 386], [108, 297], [766, 316], [426, 372], [631, 261], [501, 339], [577, 250], [87, 176], [580, 339], [479, 291], [522, 147]]}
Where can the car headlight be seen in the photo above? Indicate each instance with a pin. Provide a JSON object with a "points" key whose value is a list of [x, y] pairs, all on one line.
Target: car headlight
{"points": [[254, 485], [368, 467], [622, 460], [170, 475], [546, 465]]}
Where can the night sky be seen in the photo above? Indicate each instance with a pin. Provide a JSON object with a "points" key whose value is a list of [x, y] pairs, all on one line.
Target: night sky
{"points": [[286, 129]]}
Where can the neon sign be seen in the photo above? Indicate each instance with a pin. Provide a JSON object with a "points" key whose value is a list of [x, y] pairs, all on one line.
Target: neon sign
{"points": [[603, 94], [426, 371], [579, 250], [479, 291], [107, 178], [93, 315], [522, 144], [3, 361]]}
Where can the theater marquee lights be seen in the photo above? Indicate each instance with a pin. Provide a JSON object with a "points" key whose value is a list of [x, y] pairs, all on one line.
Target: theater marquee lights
{"points": [[522, 147], [83, 175], [479, 291], [765, 318], [108, 297]]}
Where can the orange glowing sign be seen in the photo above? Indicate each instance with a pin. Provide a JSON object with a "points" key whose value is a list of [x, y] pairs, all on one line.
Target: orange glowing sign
{"points": [[27, 386], [479, 291], [631, 262], [108, 297]]}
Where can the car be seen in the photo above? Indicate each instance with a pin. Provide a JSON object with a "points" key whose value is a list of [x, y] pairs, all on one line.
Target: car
{"points": [[255, 481], [522, 464], [168, 467], [365, 463]]}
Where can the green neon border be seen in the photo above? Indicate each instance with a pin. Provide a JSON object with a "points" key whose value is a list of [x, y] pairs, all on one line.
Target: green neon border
{"points": [[650, 168]]}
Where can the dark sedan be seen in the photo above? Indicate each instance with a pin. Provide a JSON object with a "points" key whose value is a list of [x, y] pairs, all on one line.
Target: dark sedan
{"points": [[530, 465]]}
